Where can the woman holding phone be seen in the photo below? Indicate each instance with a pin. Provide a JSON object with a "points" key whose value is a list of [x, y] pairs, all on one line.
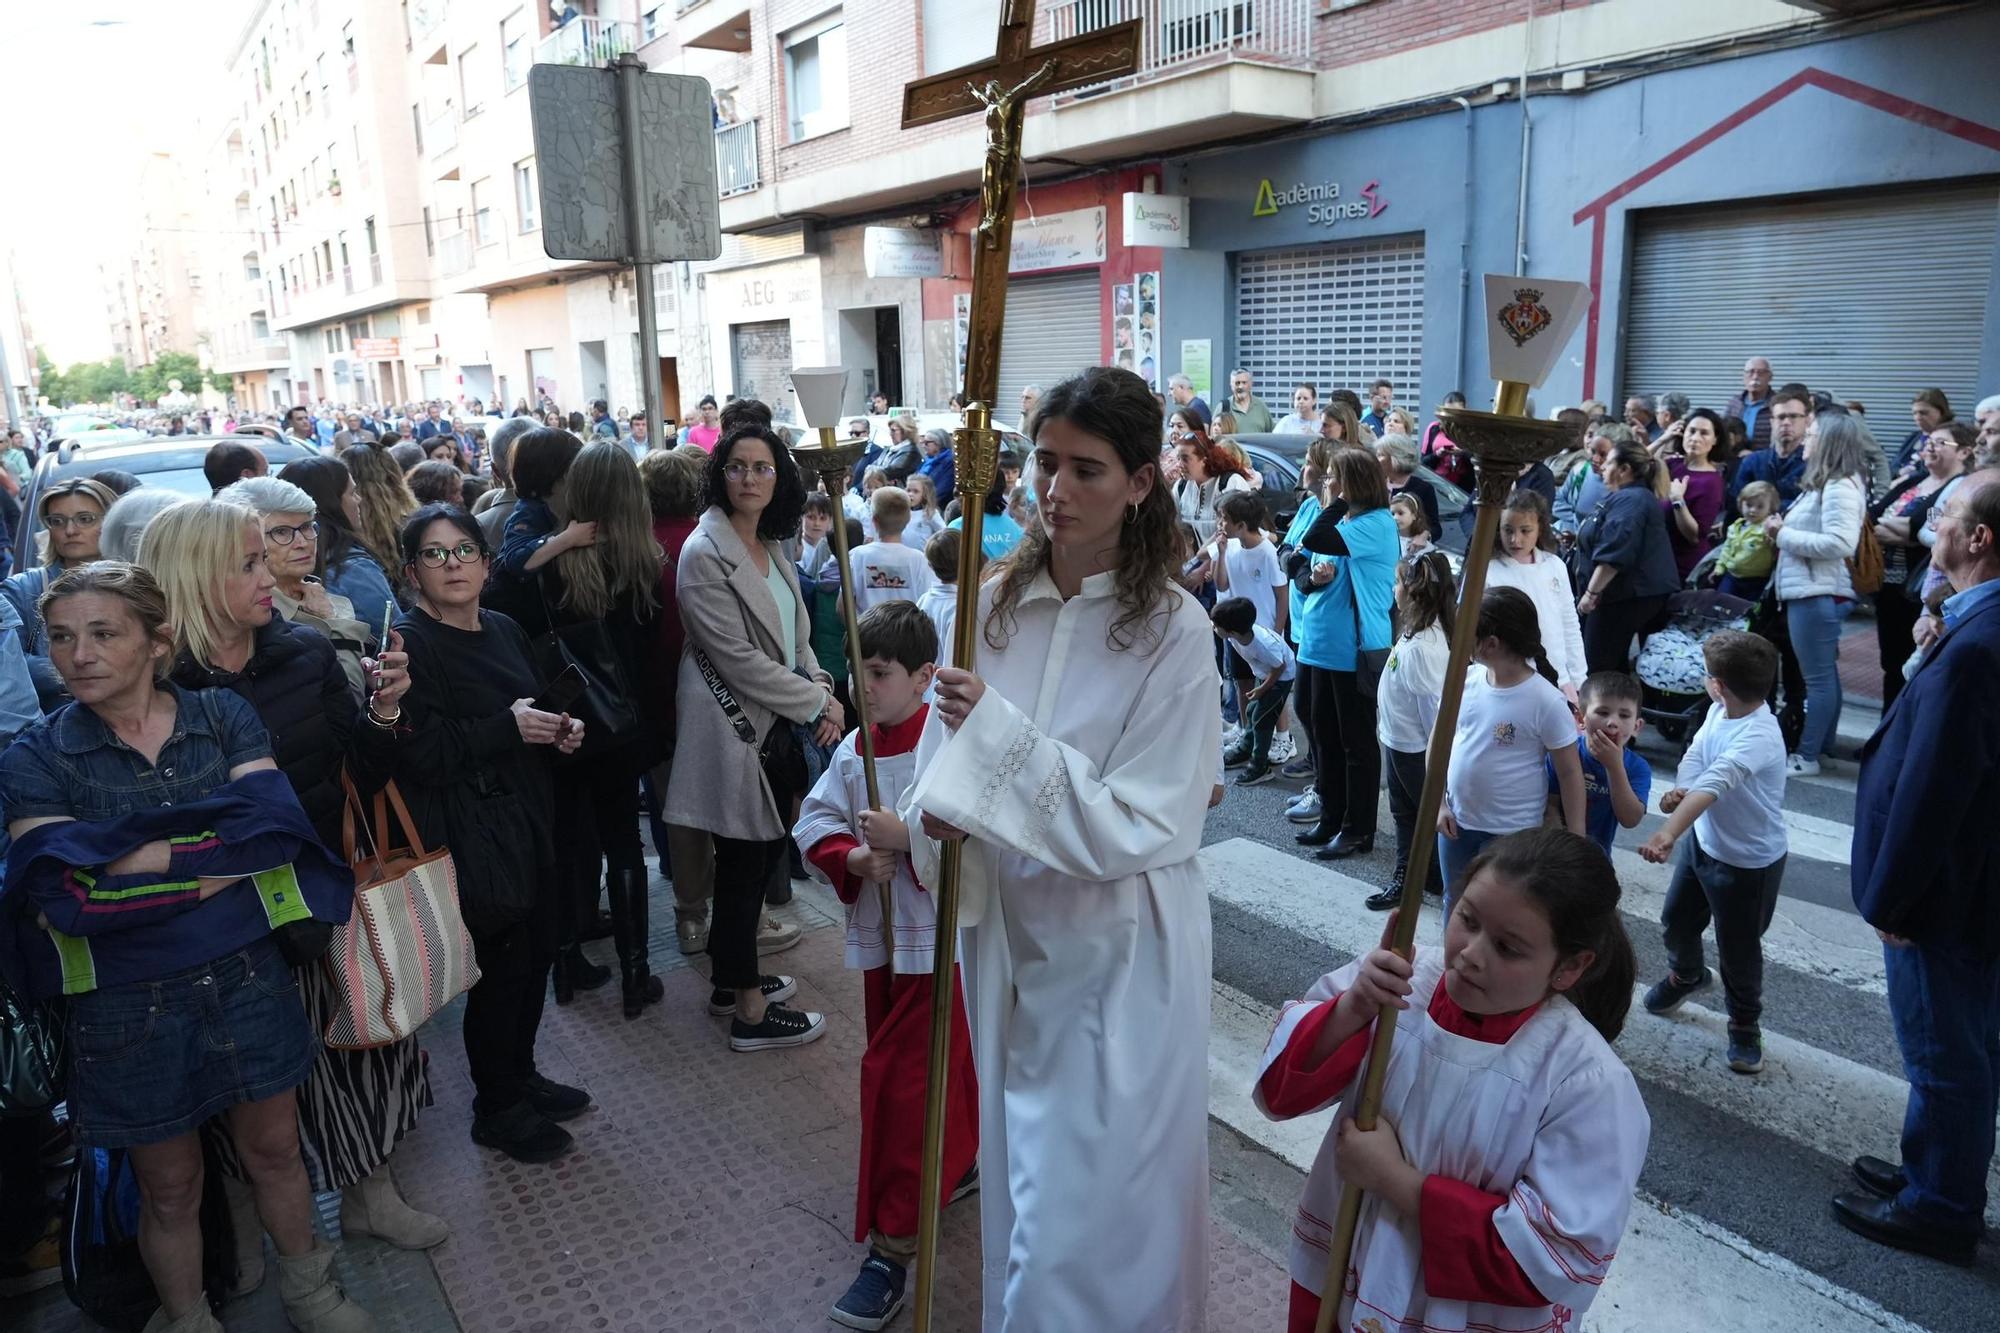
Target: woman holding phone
{"points": [[474, 764]]}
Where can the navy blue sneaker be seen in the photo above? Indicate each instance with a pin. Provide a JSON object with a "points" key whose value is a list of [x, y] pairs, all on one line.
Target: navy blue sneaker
{"points": [[876, 1297]]}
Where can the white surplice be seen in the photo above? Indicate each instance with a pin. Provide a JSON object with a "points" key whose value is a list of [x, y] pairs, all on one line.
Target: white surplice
{"points": [[1082, 776]]}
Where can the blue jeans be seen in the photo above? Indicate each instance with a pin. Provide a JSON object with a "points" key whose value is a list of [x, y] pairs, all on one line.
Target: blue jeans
{"points": [[1455, 854], [1945, 1004], [1814, 624]]}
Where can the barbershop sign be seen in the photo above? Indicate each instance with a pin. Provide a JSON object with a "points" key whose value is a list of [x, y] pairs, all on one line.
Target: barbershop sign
{"points": [[1325, 203]]}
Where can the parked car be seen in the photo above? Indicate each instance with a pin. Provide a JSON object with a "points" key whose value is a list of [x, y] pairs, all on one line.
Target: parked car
{"points": [[174, 463], [1280, 458]]}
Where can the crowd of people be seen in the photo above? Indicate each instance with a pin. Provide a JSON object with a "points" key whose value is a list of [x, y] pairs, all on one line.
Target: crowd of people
{"points": [[387, 613]]}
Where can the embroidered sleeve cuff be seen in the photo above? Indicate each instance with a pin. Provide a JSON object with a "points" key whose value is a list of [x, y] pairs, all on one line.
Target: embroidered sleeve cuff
{"points": [[1464, 1257], [829, 857], [1291, 1087]]}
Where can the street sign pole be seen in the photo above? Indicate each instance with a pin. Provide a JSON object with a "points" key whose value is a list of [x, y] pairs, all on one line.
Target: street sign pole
{"points": [[628, 68]]}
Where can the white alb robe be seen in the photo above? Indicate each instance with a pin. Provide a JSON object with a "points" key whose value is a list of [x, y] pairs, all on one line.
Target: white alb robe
{"points": [[1551, 1120], [1082, 776], [832, 808]]}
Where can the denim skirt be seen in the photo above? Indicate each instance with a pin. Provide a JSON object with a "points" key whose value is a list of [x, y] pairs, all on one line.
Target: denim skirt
{"points": [[151, 1060]]}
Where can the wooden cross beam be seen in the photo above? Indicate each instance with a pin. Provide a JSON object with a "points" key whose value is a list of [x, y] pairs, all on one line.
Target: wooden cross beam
{"points": [[1088, 57]]}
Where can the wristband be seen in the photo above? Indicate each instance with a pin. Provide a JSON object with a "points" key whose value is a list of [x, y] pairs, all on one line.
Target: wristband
{"points": [[386, 723]]}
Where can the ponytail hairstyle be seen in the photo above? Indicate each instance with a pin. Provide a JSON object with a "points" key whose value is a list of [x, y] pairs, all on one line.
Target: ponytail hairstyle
{"points": [[1573, 883], [1508, 615], [1430, 595], [1525, 501], [1631, 454]]}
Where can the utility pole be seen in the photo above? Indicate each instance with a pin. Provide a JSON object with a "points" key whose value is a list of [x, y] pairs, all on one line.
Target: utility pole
{"points": [[629, 67]]}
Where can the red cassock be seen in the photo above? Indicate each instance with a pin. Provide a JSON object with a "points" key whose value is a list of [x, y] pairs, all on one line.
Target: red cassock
{"points": [[894, 1071]]}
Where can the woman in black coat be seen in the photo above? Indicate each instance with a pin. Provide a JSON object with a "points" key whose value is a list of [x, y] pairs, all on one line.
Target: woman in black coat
{"points": [[355, 1105], [473, 762]]}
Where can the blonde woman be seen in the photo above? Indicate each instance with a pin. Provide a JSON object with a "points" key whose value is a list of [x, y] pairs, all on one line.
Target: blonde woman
{"points": [[613, 582], [1398, 422], [926, 519], [354, 1107], [385, 500]]}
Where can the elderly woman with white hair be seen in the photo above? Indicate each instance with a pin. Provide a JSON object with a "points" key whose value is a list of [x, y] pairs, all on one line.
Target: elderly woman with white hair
{"points": [[291, 548], [125, 523], [1398, 456]]}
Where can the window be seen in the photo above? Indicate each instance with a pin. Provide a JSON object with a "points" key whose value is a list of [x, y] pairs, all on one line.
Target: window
{"points": [[251, 271], [516, 52], [326, 253], [652, 23], [347, 40], [325, 98], [260, 327], [368, 225], [483, 232], [524, 194], [318, 181], [423, 312], [430, 238], [816, 78], [468, 82]]}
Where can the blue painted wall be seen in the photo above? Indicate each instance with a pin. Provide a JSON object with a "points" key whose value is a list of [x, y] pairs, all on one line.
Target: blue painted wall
{"points": [[1585, 145]]}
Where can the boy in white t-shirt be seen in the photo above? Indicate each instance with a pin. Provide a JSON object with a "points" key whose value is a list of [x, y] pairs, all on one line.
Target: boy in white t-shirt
{"points": [[885, 570], [1270, 658], [1245, 564], [1731, 791]]}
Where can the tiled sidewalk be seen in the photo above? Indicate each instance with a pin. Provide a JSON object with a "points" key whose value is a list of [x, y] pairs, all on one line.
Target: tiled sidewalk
{"points": [[709, 1192]]}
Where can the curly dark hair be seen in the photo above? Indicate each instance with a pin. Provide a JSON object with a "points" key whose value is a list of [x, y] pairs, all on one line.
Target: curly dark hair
{"points": [[1115, 406], [780, 519]]}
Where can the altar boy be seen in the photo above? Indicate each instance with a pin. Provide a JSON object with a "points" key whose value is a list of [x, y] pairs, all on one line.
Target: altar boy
{"points": [[854, 849]]}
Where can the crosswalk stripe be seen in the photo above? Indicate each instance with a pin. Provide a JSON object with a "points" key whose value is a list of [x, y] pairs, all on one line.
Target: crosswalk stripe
{"points": [[1668, 1259], [1819, 1100], [1813, 836]]}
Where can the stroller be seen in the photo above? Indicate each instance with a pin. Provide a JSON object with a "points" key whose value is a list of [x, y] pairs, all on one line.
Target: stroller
{"points": [[1671, 667]]}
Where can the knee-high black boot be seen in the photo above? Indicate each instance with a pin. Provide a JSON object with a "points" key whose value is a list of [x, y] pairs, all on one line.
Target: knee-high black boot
{"points": [[629, 912], [574, 971]]}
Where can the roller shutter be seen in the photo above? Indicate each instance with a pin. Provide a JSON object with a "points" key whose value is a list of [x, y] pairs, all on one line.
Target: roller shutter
{"points": [[1869, 298], [1336, 316], [1054, 328], [761, 357]]}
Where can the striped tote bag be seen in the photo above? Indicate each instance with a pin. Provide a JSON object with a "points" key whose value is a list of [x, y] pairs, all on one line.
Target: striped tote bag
{"points": [[405, 952]]}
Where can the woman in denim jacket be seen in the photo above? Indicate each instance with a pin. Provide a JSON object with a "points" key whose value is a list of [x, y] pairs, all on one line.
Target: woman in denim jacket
{"points": [[209, 1022]]}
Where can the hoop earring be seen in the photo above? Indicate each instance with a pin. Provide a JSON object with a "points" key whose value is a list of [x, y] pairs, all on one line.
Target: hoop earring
{"points": [[1131, 515]]}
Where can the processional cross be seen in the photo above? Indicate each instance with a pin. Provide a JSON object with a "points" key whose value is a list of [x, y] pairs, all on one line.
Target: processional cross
{"points": [[1001, 87]]}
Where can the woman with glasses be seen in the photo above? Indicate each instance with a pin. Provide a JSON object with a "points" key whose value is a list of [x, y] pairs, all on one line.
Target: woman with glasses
{"points": [[210, 560], [343, 562], [473, 763], [746, 625], [291, 549], [72, 514]]}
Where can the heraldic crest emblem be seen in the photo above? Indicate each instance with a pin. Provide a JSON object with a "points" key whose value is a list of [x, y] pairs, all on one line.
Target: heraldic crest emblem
{"points": [[1525, 316]]}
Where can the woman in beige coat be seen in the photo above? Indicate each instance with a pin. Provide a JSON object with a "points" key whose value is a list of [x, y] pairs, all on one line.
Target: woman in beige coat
{"points": [[749, 644]]}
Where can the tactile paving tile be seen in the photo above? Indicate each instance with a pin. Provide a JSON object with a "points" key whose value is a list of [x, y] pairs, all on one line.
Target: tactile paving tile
{"points": [[709, 1192]]}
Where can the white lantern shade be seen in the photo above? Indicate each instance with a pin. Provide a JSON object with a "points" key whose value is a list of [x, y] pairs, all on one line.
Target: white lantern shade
{"points": [[821, 390]]}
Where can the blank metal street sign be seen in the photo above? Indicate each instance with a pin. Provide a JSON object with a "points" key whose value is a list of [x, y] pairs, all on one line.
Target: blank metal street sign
{"points": [[578, 153]]}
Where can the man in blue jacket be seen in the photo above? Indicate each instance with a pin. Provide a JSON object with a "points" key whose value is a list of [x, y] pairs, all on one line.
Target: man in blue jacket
{"points": [[1926, 874]]}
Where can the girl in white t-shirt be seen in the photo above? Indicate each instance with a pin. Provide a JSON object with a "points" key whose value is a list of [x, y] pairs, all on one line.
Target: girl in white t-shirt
{"points": [[1525, 557], [1407, 699], [1500, 1176], [1512, 719]]}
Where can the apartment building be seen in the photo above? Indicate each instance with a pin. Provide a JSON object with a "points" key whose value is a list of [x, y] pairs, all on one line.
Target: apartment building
{"points": [[1305, 188], [236, 336], [151, 285]]}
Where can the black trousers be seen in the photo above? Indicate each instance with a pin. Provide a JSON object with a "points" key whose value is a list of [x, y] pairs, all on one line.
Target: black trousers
{"points": [[743, 870], [1406, 789], [24, 1202], [1608, 631], [1345, 750], [1740, 903], [503, 1010], [1895, 636], [597, 809]]}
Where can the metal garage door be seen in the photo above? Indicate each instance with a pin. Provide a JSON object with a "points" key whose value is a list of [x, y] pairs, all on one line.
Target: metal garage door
{"points": [[1055, 328], [1867, 298], [761, 359], [1336, 316]]}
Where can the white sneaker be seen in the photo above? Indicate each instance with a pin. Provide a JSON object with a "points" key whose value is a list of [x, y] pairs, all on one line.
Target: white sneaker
{"points": [[1305, 810], [1283, 748], [1799, 767], [1231, 734]]}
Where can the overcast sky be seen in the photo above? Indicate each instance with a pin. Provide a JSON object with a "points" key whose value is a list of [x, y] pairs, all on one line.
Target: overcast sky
{"points": [[91, 86]]}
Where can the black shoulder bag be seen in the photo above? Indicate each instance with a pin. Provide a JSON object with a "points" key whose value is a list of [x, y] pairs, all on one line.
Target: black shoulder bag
{"points": [[609, 705], [791, 759]]}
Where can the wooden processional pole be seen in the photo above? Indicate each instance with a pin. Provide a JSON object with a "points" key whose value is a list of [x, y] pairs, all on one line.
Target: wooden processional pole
{"points": [[1001, 87], [1502, 444]]}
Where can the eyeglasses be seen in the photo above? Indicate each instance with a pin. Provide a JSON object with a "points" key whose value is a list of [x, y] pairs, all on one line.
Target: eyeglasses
{"points": [[64, 522], [761, 471], [468, 553], [285, 535]]}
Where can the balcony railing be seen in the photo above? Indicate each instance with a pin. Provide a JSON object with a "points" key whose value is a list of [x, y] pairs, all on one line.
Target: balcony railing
{"points": [[347, 277], [374, 270], [1178, 33], [587, 41], [736, 158], [454, 253], [441, 131]]}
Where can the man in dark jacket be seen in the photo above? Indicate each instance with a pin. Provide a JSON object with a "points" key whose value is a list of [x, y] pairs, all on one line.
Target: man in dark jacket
{"points": [[1753, 405], [1926, 875]]}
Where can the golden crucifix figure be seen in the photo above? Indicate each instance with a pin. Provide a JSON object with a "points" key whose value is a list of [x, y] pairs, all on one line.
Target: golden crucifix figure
{"points": [[1019, 70]]}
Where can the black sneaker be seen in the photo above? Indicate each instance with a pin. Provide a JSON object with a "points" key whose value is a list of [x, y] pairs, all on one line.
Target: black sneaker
{"points": [[1256, 775], [1746, 1051], [553, 1100], [1670, 992], [1384, 900], [523, 1133], [1237, 757], [875, 1298], [781, 1027], [968, 1184], [722, 1000]]}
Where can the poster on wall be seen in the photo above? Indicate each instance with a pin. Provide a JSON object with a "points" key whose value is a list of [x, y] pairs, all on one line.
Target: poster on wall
{"points": [[1197, 363], [961, 325], [1140, 349]]}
